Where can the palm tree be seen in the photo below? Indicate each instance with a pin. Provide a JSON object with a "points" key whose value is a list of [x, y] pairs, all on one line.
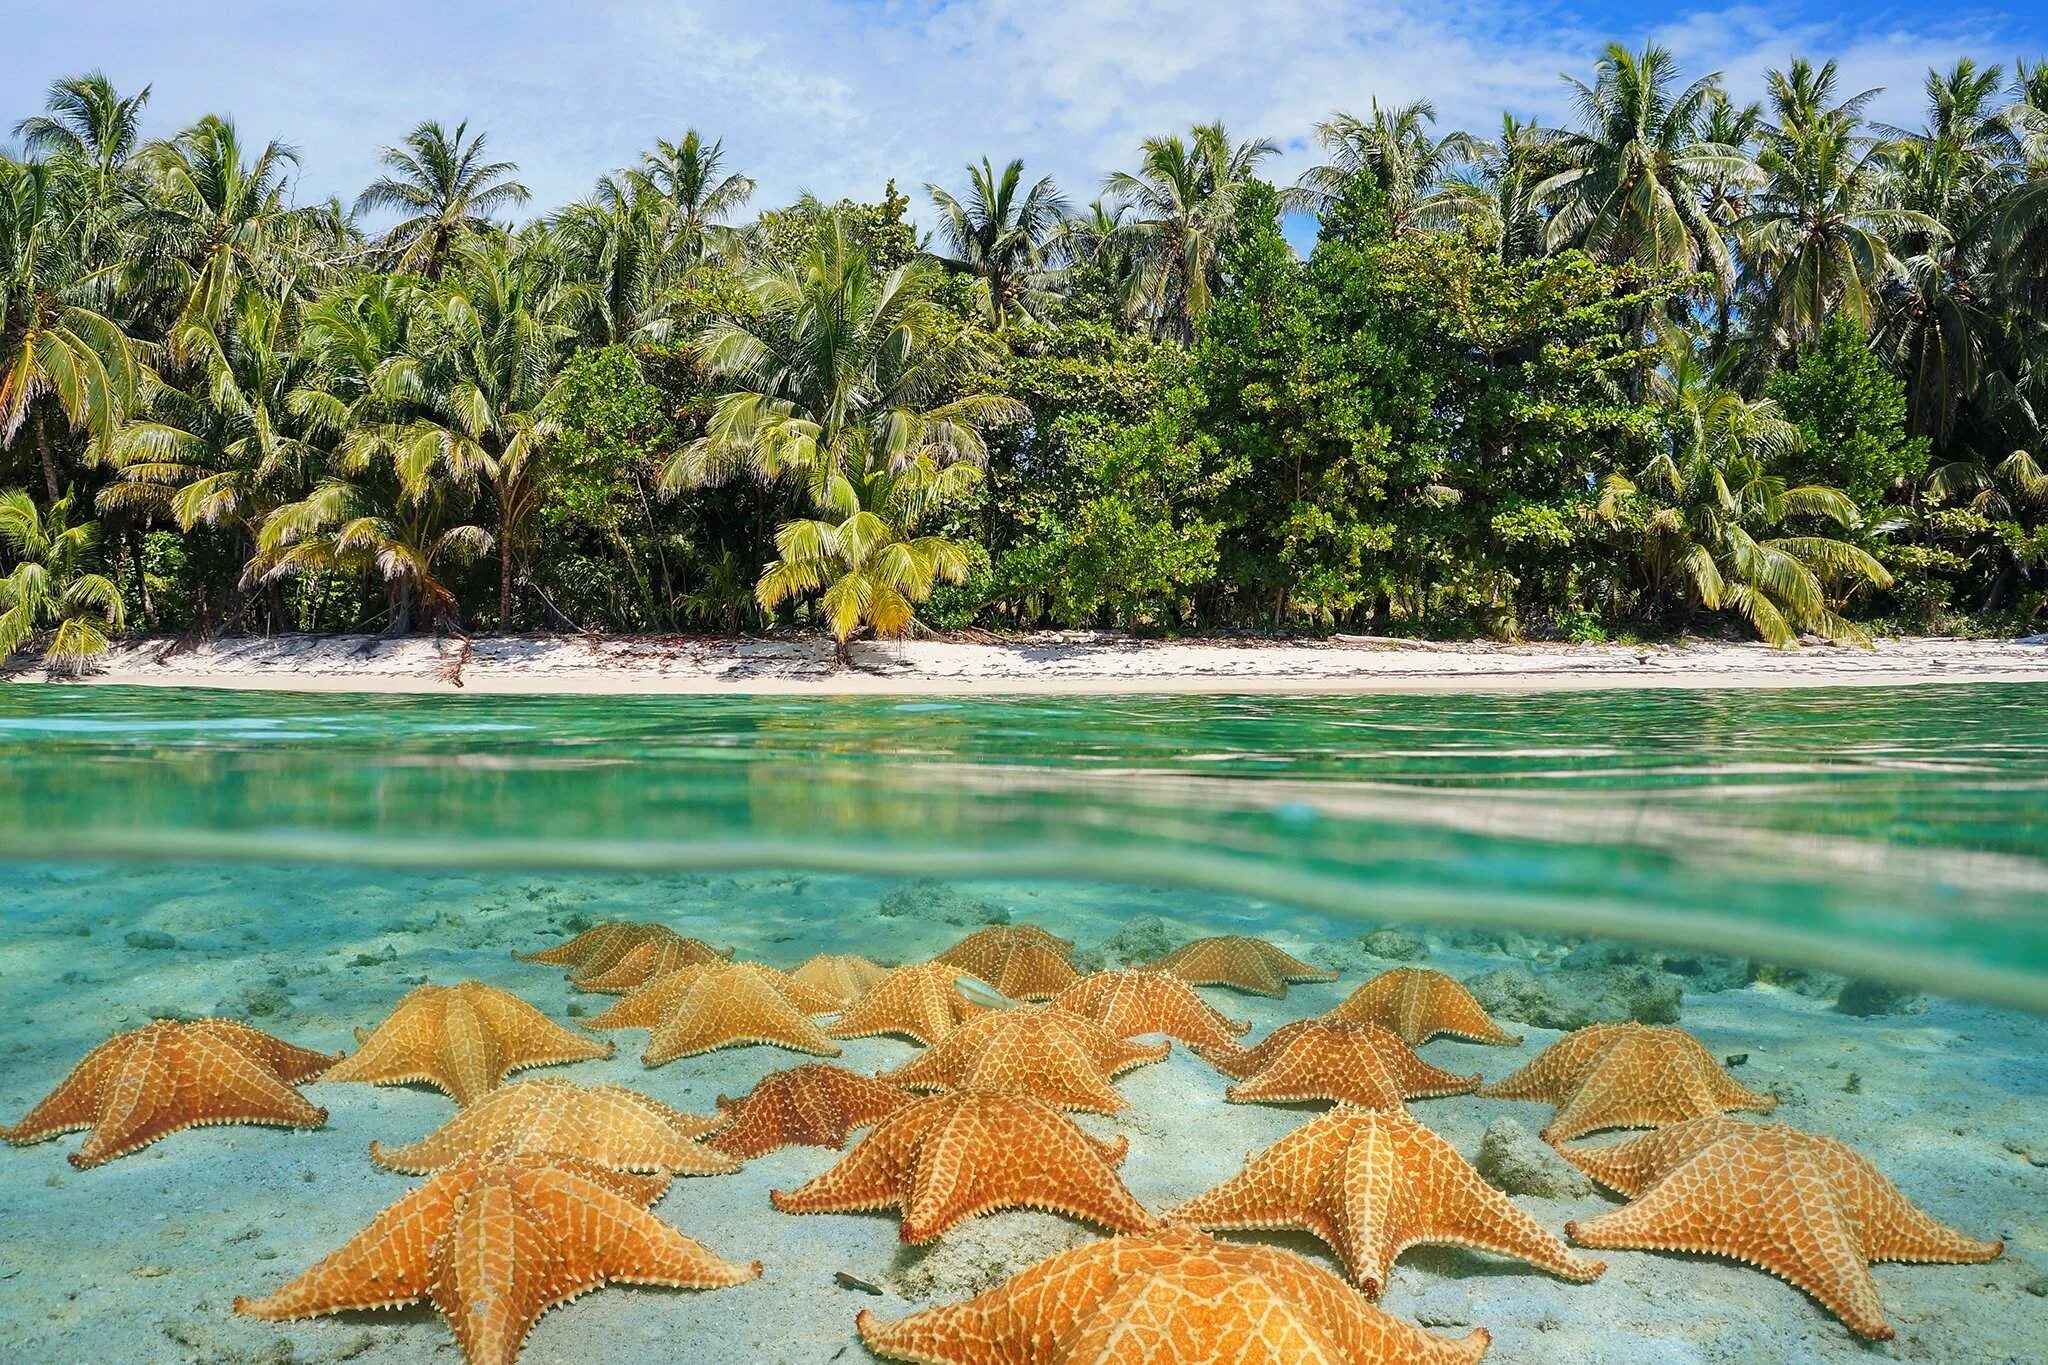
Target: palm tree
{"points": [[1639, 164], [369, 526], [1000, 238], [1396, 152], [1494, 194], [865, 558], [52, 593], [1816, 238], [1180, 202], [689, 179], [226, 450], [1941, 326], [89, 125], [55, 340], [215, 226], [446, 190], [1705, 504], [612, 247], [843, 372], [2011, 495], [495, 331]]}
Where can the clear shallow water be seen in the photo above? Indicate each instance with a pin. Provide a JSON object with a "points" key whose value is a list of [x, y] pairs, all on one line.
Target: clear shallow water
{"points": [[1893, 833], [302, 862]]}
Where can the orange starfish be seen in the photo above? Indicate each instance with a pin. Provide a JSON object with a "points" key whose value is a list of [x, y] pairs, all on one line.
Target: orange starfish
{"points": [[463, 1040], [1245, 964], [1176, 1295], [954, 1156], [1327, 1059], [493, 1243], [813, 1105], [1625, 1076], [700, 1009], [845, 977], [1419, 1004], [597, 948], [167, 1076], [1022, 961], [1038, 1050], [921, 1002], [1372, 1185], [1131, 1003], [606, 1125], [1805, 1208], [661, 954]]}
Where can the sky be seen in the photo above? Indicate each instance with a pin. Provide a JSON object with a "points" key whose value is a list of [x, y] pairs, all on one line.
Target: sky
{"points": [[838, 96]]}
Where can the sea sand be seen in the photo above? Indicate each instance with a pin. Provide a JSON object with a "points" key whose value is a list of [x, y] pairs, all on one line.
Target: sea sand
{"points": [[140, 1260], [1050, 662]]}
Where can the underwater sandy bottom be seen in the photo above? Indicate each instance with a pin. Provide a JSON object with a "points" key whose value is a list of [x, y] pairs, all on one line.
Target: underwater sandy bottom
{"points": [[139, 1260]]}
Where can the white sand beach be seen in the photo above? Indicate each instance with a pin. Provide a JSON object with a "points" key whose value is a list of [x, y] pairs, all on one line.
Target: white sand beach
{"points": [[1058, 662]]}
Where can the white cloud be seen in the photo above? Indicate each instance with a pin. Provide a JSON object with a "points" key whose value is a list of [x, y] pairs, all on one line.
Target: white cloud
{"points": [[837, 96]]}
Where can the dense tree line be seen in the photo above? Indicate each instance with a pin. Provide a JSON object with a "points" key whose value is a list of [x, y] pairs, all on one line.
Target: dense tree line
{"points": [[1682, 363]]}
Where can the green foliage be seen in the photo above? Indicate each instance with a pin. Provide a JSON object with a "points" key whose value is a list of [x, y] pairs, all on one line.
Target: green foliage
{"points": [[1678, 359], [1851, 414], [54, 596]]}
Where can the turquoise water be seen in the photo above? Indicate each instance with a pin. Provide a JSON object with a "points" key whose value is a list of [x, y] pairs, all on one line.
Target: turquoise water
{"points": [[303, 861], [1892, 833]]}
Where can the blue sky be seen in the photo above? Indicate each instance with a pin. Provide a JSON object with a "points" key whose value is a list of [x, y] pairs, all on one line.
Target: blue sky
{"points": [[836, 96]]}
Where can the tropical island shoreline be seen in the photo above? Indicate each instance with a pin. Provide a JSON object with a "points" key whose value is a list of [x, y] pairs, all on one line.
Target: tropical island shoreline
{"points": [[1064, 662]]}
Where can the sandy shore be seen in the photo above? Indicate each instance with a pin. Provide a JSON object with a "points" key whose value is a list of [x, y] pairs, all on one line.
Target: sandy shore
{"points": [[1063, 662]]}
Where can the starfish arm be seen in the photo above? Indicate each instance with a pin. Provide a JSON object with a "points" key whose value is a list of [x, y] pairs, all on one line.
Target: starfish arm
{"points": [[1556, 1070], [1291, 968], [1473, 1214], [871, 1176], [1729, 1093], [1787, 1224], [1632, 1166], [615, 1239], [193, 1079], [524, 1037], [293, 1065], [1274, 1190], [387, 1264], [74, 1104], [391, 1053], [1889, 1226], [469, 1056], [727, 1012], [1013, 1155]]}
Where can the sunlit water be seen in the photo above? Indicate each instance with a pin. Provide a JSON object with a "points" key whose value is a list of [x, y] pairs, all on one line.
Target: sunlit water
{"points": [[300, 862]]}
